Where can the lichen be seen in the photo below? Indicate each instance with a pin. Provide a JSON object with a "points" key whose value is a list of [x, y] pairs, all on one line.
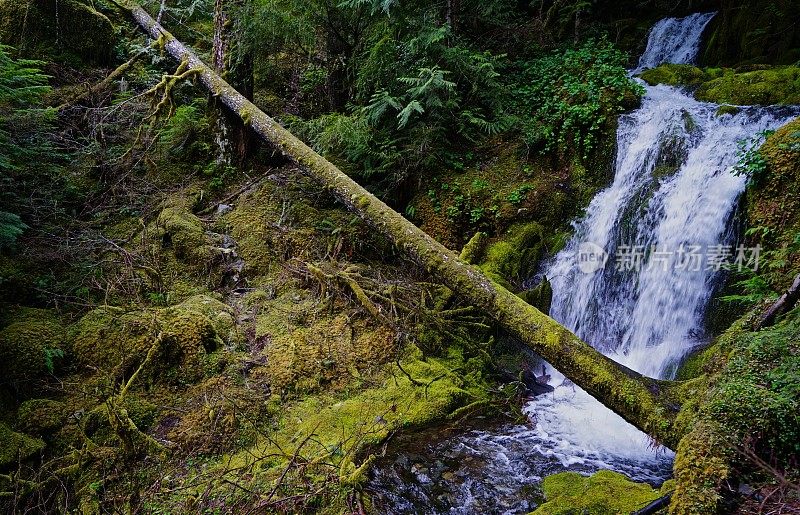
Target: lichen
{"points": [[603, 493]]}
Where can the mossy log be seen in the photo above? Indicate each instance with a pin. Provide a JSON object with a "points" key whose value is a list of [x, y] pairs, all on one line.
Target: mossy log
{"points": [[642, 401]]}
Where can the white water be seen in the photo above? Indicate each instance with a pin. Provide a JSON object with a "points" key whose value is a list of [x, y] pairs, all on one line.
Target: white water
{"points": [[647, 319], [674, 40]]}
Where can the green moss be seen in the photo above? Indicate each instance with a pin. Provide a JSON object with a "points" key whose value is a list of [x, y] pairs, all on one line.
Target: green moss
{"points": [[515, 255], [221, 315], [540, 297], [779, 85], [117, 341], [675, 75], [700, 468], [72, 24], [343, 426], [473, 251], [603, 493], [30, 348], [328, 352], [728, 109], [41, 416], [182, 231], [773, 205], [15, 447]]}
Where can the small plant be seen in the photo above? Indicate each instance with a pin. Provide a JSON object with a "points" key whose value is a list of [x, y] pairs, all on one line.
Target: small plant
{"points": [[50, 357], [520, 194], [751, 163], [476, 214], [479, 185]]}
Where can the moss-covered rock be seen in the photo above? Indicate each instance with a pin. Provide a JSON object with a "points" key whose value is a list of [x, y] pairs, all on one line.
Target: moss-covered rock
{"points": [[540, 296], [117, 342], [71, 24], [675, 75], [762, 86], [15, 447], [514, 257], [41, 416], [30, 348], [701, 465], [604, 493], [334, 429], [772, 86], [329, 351]]}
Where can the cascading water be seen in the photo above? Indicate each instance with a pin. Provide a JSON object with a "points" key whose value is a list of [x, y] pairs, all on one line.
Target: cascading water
{"points": [[671, 202], [663, 227]]}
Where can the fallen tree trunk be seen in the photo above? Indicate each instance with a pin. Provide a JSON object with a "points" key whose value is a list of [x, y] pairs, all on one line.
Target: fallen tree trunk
{"points": [[640, 400], [783, 305]]}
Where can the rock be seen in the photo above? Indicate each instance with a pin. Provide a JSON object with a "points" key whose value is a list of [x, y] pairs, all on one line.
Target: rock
{"points": [[16, 447]]}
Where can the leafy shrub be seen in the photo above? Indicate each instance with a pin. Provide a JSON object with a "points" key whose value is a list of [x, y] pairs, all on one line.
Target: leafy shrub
{"points": [[568, 96]]}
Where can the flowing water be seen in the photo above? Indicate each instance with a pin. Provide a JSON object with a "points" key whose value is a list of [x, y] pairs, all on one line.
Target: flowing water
{"points": [[657, 236]]}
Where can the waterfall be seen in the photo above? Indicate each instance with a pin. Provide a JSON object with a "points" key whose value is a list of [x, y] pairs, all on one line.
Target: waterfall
{"points": [[674, 40], [640, 302], [673, 190]]}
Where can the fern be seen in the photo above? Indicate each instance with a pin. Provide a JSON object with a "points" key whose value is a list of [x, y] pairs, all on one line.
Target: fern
{"points": [[11, 227]]}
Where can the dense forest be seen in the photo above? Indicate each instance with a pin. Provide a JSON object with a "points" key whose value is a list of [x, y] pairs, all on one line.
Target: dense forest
{"points": [[210, 302]]}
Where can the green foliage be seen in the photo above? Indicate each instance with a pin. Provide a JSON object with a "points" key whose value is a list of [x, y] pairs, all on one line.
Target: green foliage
{"points": [[11, 227], [757, 396], [568, 97], [22, 85], [751, 163]]}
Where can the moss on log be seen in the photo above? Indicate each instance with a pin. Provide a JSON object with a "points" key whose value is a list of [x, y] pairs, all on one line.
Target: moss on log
{"points": [[641, 401]]}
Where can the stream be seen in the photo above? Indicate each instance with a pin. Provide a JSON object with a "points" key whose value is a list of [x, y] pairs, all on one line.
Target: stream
{"points": [[634, 282]]}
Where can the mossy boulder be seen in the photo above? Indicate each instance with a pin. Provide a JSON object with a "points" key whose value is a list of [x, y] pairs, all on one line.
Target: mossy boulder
{"points": [[540, 296], [182, 232], [604, 493], [514, 256], [780, 85], [763, 85], [69, 24], [117, 341], [329, 351], [15, 447], [30, 348], [675, 75], [41, 416], [221, 315]]}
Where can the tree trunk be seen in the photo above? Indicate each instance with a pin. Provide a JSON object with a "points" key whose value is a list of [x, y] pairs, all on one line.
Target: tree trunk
{"points": [[642, 401], [235, 142]]}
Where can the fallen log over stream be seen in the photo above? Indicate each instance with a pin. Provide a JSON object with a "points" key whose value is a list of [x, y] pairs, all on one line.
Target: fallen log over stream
{"points": [[642, 401]]}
